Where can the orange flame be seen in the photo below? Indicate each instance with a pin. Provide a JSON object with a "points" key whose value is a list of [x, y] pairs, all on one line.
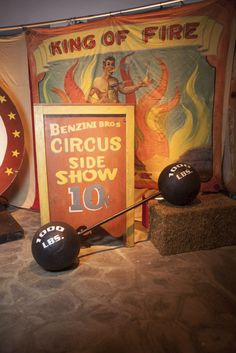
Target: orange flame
{"points": [[73, 93], [153, 142]]}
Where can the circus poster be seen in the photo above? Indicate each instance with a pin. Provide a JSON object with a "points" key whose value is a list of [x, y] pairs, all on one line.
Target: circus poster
{"points": [[169, 64], [85, 158]]}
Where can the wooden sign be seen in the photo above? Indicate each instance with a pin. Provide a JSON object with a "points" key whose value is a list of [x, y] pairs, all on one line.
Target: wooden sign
{"points": [[85, 160]]}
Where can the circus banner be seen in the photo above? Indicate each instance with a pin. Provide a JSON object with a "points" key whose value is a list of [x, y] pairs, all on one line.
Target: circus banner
{"points": [[169, 64]]}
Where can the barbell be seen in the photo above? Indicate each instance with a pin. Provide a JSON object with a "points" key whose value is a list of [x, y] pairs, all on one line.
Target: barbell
{"points": [[56, 245]]}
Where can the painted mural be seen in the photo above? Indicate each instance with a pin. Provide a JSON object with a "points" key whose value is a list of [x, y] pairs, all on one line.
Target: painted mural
{"points": [[169, 64]]}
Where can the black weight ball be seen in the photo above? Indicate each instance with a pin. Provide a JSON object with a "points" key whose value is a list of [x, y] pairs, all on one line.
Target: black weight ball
{"points": [[55, 246], [179, 183]]}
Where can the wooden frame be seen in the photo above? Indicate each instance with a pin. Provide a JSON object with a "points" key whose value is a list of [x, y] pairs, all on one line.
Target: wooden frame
{"points": [[56, 127]]}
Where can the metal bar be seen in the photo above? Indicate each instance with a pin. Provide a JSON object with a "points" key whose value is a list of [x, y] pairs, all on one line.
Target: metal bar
{"points": [[120, 213]]}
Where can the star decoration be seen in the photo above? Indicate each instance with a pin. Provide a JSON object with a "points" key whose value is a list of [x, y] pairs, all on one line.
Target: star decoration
{"points": [[15, 153], [16, 133], [12, 116], [2, 99], [9, 171]]}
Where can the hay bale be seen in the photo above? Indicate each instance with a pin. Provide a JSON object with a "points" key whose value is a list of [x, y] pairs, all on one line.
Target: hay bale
{"points": [[206, 224]]}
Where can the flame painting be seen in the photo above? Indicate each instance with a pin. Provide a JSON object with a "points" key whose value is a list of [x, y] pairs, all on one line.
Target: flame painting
{"points": [[172, 117]]}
